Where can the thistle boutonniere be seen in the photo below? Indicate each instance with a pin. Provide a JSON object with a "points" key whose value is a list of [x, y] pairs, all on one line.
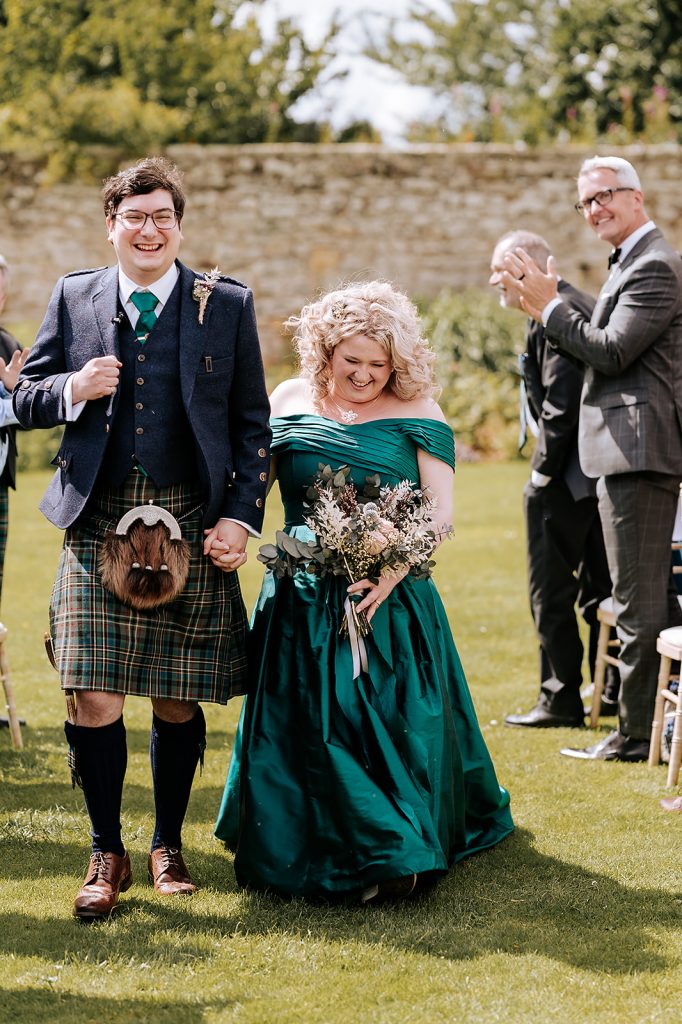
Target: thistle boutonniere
{"points": [[203, 286]]}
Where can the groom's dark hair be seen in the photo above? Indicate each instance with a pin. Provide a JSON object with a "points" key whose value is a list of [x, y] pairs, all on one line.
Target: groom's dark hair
{"points": [[144, 177]]}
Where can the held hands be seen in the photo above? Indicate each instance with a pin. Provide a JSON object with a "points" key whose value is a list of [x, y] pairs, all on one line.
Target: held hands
{"points": [[225, 545], [97, 379], [11, 370], [535, 288], [376, 592]]}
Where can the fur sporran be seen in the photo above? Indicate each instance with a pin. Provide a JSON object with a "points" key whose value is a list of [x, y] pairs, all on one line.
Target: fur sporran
{"points": [[145, 561]]}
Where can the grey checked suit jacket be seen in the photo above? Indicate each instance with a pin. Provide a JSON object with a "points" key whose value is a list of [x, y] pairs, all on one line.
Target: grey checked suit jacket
{"points": [[221, 380], [631, 407]]}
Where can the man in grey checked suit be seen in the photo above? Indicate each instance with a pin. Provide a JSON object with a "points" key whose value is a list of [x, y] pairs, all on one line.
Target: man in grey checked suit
{"points": [[630, 433], [163, 399]]}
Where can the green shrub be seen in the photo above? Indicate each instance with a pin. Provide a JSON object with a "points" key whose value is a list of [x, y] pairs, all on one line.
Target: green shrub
{"points": [[477, 344]]}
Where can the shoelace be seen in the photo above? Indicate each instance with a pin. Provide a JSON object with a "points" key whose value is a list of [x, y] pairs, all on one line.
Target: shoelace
{"points": [[101, 867], [170, 859]]}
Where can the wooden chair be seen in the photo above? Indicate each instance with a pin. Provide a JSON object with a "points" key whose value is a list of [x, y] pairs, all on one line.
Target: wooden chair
{"points": [[669, 646], [13, 717], [606, 617]]}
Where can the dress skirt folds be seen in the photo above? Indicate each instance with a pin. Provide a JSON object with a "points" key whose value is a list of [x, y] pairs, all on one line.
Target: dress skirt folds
{"points": [[193, 648], [337, 783]]}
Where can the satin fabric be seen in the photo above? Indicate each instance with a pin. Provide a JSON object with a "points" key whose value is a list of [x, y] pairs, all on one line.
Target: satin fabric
{"points": [[336, 784]]}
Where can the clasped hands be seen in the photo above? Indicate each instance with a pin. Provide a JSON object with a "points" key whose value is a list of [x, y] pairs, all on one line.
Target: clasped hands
{"points": [[225, 545], [535, 289]]}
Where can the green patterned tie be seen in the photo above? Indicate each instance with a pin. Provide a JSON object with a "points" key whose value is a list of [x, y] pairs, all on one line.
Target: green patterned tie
{"points": [[146, 302]]}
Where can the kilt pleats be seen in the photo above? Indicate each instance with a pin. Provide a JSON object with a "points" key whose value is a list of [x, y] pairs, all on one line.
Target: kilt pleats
{"points": [[191, 649]]}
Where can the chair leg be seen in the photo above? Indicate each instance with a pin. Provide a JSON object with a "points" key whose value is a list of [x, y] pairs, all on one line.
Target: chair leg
{"points": [[676, 748], [14, 727], [657, 724], [599, 672]]}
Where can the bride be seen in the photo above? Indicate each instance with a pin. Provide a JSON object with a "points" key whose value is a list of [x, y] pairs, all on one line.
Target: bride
{"points": [[344, 785]]}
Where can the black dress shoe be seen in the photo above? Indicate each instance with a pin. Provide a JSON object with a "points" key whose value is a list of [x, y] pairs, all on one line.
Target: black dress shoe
{"points": [[614, 747], [542, 717]]}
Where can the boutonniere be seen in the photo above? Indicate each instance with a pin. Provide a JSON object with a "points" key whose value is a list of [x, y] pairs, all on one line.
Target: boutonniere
{"points": [[203, 286]]}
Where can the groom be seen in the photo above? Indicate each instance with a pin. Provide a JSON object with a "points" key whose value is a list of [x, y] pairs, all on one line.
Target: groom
{"points": [[157, 374]]}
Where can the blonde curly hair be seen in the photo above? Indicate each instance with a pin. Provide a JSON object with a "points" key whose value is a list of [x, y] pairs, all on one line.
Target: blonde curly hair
{"points": [[377, 310]]}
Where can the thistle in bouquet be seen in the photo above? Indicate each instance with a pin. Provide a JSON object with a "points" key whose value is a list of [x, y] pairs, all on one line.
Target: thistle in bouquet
{"points": [[380, 530]]}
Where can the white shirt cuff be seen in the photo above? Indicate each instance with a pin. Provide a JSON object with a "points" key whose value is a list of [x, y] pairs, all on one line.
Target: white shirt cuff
{"points": [[71, 411], [551, 305], [539, 479]]}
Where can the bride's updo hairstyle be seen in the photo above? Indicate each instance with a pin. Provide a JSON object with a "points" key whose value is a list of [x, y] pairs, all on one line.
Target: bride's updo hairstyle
{"points": [[377, 310]]}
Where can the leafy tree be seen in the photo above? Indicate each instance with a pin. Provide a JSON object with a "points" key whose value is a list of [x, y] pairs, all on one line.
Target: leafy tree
{"points": [[139, 76], [541, 69], [476, 344]]}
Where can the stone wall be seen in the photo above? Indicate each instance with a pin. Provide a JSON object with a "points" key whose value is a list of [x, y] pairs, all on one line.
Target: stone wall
{"points": [[293, 220]]}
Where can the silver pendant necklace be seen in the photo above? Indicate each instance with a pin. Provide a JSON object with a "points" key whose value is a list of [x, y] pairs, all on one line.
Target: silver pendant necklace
{"points": [[350, 415]]}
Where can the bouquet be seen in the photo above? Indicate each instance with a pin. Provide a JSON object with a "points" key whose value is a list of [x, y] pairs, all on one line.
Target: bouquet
{"points": [[359, 534]]}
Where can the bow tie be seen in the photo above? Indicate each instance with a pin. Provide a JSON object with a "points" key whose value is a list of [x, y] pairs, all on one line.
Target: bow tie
{"points": [[614, 257]]}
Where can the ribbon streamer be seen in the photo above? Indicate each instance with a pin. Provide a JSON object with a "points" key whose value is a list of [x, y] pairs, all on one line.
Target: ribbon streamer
{"points": [[357, 643]]}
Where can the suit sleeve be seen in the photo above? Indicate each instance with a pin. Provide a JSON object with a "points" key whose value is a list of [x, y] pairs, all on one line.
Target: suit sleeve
{"points": [[558, 421], [249, 425], [644, 308], [38, 392]]}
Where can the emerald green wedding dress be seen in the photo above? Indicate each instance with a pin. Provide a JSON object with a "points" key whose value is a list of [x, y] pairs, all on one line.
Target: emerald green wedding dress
{"points": [[337, 783]]}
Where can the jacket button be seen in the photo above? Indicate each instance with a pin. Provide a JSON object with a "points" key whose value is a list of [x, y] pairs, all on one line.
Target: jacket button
{"points": [[140, 358], [262, 452], [25, 384], [259, 502], [263, 477], [140, 380], [140, 430], [139, 405]]}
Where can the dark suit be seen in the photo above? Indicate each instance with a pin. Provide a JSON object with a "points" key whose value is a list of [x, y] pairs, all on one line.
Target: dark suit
{"points": [[630, 437], [221, 384], [566, 556], [8, 346]]}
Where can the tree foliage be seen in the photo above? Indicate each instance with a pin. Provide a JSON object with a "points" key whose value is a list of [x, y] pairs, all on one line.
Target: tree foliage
{"points": [[476, 344], [535, 70], [138, 76]]}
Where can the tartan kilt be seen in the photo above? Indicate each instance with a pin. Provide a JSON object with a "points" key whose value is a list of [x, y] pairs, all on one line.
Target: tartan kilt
{"points": [[193, 648]]}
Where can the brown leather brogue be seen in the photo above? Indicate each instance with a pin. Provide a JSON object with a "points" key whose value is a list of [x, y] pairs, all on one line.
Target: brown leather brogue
{"points": [[108, 876], [167, 871]]}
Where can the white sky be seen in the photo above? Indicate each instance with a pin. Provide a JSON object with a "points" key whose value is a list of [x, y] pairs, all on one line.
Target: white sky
{"points": [[369, 91]]}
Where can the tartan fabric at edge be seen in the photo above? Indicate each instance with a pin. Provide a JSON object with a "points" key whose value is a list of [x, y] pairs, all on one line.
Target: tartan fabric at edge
{"points": [[191, 649]]}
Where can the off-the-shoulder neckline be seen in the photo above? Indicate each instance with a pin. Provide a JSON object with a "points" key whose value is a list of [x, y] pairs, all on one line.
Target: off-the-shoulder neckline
{"points": [[364, 423]]}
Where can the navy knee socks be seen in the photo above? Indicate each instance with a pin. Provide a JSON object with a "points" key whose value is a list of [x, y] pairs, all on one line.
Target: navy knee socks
{"points": [[174, 751], [101, 759]]}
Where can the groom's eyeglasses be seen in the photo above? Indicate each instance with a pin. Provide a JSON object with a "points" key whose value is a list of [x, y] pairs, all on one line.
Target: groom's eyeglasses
{"points": [[134, 220], [602, 198]]}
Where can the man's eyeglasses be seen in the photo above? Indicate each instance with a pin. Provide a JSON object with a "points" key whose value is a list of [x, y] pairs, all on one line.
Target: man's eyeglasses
{"points": [[134, 220], [602, 198]]}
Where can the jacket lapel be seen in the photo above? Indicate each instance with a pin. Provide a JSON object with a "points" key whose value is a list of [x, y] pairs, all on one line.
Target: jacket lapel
{"points": [[105, 305], [192, 334], [605, 302]]}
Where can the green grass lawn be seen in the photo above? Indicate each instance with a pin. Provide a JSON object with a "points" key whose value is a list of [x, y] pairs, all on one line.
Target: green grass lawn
{"points": [[576, 918]]}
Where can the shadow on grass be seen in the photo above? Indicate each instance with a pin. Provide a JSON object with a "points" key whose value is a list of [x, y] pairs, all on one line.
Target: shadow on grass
{"points": [[41, 1006], [512, 900]]}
